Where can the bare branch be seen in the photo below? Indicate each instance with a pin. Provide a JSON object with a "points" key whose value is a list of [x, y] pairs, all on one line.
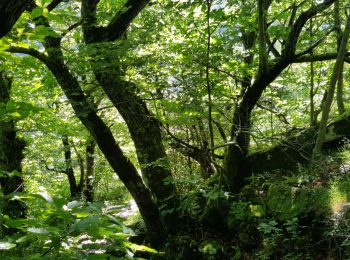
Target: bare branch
{"points": [[291, 42], [317, 43], [70, 28]]}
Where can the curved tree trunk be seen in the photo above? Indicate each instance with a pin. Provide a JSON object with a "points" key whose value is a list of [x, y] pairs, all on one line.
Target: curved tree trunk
{"points": [[326, 108], [241, 121], [144, 128]]}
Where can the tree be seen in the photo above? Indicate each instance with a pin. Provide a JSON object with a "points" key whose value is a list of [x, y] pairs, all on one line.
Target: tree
{"points": [[242, 115], [209, 77], [337, 70], [83, 188], [11, 155], [126, 171], [143, 126], [10, 11]]}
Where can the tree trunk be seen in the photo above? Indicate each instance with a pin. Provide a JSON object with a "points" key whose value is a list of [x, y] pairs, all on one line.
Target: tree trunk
{"points": [[297, 149], [236, 166], [89, 177], [75, 192], [11, 155], [332, 85], [337, 25], [10, 11], [144, 128], [241, 121], [104, 138]]}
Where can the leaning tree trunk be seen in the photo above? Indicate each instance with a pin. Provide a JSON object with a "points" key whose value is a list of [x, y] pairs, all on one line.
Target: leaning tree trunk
{"points": [[103, 136], [11, 155], [297, 148], [106, 142], [235, 168], [123, 167], [326, 107], [144, 128], [10, 11]]}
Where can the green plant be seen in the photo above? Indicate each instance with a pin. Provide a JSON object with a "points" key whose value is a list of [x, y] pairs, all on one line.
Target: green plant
{"points": [[73, 230]]}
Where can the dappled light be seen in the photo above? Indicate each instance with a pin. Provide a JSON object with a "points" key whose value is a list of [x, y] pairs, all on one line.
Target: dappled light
{"points": [[174, 129]]}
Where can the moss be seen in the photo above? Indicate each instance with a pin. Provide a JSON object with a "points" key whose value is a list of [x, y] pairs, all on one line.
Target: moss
{"points": [[285, 202]]}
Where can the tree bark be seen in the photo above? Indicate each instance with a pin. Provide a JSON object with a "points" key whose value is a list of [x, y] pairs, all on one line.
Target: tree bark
{"points": [[10, 11], [144, 128], [89, 177], [340, 85], [11, 155], [75, 192], [262, 36], [297, 149], [241, 121], [332, 85]]}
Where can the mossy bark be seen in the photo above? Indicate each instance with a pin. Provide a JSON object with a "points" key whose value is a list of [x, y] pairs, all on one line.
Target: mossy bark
{"points": [[10, 11], [143, 126], [11, 155], [326, 108], [297, 149], [90, 169]]}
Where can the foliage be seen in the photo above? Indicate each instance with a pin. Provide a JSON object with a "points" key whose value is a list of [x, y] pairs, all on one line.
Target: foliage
{"points": [[177, 89], [61, 230]]}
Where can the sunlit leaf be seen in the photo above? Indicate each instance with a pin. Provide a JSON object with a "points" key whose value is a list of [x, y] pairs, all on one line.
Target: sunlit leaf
{"points": [[39, 231], [6, 245], [36, 12]]}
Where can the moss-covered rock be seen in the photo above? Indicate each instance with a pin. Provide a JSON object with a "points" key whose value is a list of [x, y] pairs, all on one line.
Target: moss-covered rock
{"points": [[297, 148], [285, 202]]}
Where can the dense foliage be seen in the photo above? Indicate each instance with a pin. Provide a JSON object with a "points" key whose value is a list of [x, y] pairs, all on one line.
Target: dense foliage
{"points": [[174, 129]]}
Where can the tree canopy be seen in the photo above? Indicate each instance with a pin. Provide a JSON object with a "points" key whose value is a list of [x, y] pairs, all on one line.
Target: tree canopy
{"points": [[210, 116]]}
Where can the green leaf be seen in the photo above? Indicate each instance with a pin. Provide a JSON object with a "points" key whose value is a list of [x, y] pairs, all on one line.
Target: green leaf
{"points": [[82, 214], [257, 210], [100, 256], [36, 12], [6, 245], [114, 220], [39, 231], [11, 106], [16, 115], [90, 225], [23, 239], [143, 248]]}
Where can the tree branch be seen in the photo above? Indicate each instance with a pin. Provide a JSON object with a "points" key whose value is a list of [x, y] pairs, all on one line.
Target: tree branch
{"points": [[289, 49], [31, 52], [10, 11], [70, 28], [53, 169], [122, 20], [320, 57], [313, 46], [53, 4]]}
